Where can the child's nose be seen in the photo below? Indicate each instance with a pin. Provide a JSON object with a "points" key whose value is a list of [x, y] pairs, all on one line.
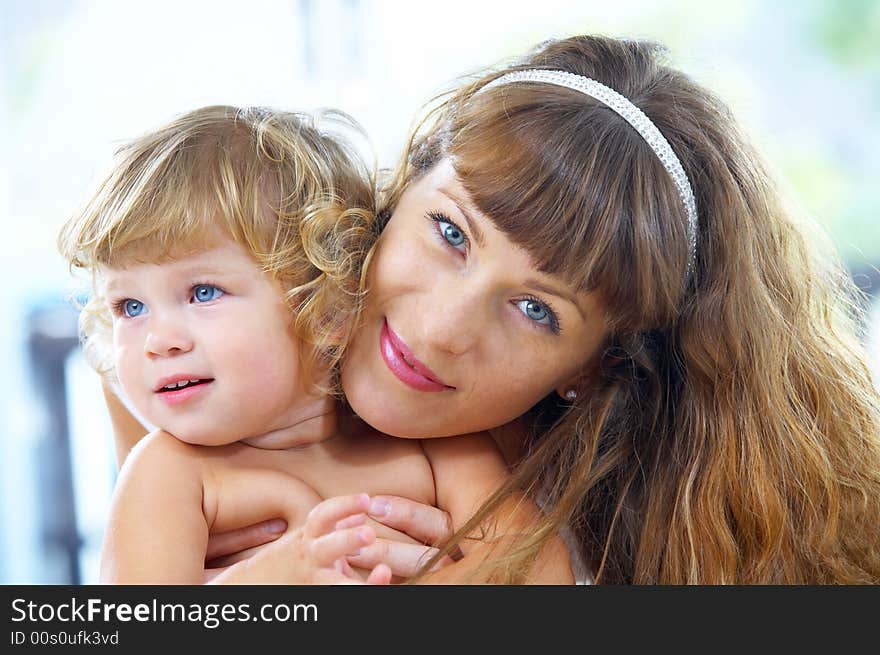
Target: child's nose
{"points": [[167, 339]]}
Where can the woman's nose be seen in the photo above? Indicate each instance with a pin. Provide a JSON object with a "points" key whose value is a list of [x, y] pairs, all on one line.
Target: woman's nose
{"points": [[455, 318], [167, 337]]}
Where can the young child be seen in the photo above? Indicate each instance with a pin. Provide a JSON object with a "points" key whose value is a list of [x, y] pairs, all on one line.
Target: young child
{"points": [[226, 250]]}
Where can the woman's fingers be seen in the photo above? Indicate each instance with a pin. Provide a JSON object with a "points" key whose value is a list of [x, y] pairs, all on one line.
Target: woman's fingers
{"points": [[402, 559], [424, 523], [325, 515], [234, 541], [334, 530], [337, 544]]}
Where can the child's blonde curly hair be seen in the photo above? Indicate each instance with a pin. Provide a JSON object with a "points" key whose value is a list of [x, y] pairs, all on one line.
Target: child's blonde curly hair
{"points": [[293, 194]]}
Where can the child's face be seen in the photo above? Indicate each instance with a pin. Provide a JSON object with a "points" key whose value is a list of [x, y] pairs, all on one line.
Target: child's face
{"points": [[215, 323]]}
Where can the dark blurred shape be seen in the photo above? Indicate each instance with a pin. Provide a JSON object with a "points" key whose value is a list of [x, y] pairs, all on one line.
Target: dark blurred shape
{"points": [[52, 335]]}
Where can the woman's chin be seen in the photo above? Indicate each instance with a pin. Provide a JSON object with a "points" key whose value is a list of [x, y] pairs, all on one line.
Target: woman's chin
{"points": [[392, 425]]}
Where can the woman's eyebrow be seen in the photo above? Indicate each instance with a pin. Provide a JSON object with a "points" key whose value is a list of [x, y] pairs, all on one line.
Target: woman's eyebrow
{"points": [[559, 293], [472, 225]]}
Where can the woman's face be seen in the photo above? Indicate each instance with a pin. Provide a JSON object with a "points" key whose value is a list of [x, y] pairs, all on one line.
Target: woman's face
{"points": [[461, 332]]}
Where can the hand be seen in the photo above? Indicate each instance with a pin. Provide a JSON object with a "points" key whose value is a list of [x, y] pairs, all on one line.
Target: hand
{"points": [[226, 548], [425, 524], [316, 552]]}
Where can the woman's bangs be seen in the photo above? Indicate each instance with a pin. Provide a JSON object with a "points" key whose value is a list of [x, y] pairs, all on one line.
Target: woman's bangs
{"points": [[564, 211]]}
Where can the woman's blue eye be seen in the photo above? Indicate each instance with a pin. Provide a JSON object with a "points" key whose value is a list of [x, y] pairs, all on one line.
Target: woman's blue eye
{"points": [[449, 231], [206, 293], [534, 310], [540, 313], [452, 234], [133, 308]]}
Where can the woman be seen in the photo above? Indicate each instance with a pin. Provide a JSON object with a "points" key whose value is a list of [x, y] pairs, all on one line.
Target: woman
{"points": [[615, 281]]}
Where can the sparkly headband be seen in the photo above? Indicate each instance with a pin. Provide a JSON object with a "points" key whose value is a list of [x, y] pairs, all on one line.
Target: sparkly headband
{"points": [[635, 117]]}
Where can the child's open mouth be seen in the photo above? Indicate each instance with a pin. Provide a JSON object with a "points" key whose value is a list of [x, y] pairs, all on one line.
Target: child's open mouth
{"points": [[183, 384], [183, 389]]}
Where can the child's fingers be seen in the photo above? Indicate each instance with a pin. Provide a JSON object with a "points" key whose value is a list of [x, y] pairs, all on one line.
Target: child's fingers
{"points": [[380, 575], [350, 521], [326, 514], [339, 543]]}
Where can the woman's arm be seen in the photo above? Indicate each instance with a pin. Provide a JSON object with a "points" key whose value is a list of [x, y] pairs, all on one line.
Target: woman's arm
{"points": [[467, 470], [466, 473], [552, 566], [430, 525]]}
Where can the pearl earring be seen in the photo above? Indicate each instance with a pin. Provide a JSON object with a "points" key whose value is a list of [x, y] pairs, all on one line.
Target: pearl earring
{"points": [[571, 394]]}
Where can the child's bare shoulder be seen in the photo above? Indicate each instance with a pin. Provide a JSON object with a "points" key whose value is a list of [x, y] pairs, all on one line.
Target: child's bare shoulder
{"points": [[366, 460], [163, 453], [476, 448], [159, 448], [162, 466]]}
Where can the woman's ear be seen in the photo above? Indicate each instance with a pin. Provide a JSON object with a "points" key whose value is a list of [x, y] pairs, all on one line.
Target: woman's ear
{"points": [[569, 390], [580, 382]]}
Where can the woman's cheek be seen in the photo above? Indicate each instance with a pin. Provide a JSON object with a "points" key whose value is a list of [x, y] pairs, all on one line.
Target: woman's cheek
{"points": [[400, 267], [522, 365]]}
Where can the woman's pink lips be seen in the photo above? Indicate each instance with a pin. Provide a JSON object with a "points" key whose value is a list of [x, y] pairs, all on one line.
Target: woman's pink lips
{"points": [[400, 360]]}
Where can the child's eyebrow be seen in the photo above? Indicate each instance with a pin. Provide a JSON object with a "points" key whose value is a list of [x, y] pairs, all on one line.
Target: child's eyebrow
{"points": [[196, 270], [111, 284], [115, 279]]}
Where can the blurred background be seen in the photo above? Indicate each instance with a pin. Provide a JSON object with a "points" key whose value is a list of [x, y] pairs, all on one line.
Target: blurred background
{"points": [[78, 77]]}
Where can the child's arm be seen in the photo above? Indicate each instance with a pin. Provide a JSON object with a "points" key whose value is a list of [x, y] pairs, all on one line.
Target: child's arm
{"points": [[157, 532], [223, 548], [163, 507], [316, 552]]}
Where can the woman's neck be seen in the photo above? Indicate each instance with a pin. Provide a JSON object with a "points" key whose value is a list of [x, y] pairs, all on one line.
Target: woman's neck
{"points": [[511, 440]]}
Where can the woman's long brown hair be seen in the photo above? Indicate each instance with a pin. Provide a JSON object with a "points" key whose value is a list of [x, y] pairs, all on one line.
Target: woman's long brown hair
{"points": [[730, 434]]}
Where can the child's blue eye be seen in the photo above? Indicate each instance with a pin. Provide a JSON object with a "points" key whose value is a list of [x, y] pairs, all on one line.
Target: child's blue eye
{"points": [[206, 293], [133, 308]]}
